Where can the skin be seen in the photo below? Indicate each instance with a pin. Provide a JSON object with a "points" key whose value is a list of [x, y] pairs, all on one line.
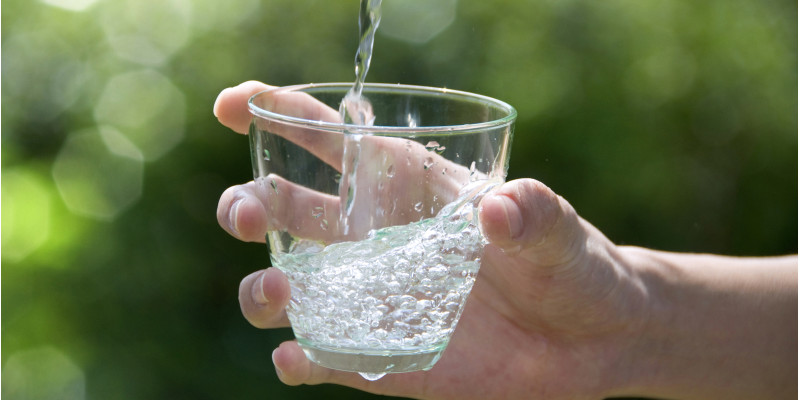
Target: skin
{"points": [[560, 312]]}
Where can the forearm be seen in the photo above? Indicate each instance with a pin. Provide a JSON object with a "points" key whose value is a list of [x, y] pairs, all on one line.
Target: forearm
{"points": [[718, 327]]}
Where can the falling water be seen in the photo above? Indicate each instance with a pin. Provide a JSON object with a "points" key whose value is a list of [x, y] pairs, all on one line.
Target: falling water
{"points": [[356, 109]]}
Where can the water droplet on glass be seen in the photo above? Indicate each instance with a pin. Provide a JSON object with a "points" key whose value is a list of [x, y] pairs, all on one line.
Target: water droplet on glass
{"points": [[372, 377], [266, 155], [337, 178], [316, 212], [428, 164], [324, 224], [274, 185], [390, 171], [435, 146], [418, 206]]}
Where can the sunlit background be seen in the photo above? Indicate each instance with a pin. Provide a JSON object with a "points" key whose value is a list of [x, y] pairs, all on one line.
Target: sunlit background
{"points": [[666, 123]]}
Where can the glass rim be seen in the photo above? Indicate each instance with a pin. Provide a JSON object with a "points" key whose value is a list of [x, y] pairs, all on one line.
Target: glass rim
{"points": [[511, 112]]}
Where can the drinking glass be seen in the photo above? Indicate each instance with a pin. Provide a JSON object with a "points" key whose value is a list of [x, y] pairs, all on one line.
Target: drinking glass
{"points": [[376, 226]]}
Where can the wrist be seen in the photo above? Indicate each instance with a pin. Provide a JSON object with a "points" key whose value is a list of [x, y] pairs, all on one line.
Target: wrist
{"points": [[714, 327]]}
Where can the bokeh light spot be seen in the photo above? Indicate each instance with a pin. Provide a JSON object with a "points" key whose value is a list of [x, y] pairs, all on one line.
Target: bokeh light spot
{"points": [[43, 373], [94, 180], [147, 32], [71, 5], [147, 108], [416, 21], [26, 213], [222, 16], [53, 64]]}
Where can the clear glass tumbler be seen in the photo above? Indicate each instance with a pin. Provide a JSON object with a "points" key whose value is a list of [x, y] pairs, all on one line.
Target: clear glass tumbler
{"points": [[376, 226]]}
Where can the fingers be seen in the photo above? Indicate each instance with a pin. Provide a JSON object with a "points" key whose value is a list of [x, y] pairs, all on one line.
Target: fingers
{"points": [[526, 217], [325, 144], [293, 368], [263, 296], [242, 214], [231, 108], [249, 211]]}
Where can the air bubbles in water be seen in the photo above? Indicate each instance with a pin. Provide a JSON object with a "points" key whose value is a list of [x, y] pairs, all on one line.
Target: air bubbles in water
{"points": [[372, 377]]}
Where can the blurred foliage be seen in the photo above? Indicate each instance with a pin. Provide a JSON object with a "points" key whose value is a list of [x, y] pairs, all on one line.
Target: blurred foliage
{"points": [[666, 123]]}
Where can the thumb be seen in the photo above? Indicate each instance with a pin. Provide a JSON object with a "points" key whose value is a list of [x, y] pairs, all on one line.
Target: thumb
{"points": [[527, 219]]}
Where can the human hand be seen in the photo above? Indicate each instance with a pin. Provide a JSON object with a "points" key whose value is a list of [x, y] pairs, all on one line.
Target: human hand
{"points": [[390, 180], [552, 314]]}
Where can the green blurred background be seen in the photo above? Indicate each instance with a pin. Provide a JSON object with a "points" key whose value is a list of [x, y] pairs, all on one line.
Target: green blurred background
{"points": [[666, 123]]}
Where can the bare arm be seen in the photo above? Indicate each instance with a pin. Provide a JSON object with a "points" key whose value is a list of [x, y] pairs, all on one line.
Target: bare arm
{"points": [[718, 327]]}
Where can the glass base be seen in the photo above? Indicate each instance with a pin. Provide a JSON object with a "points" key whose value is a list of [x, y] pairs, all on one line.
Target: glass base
{"points": [[373, 361]]}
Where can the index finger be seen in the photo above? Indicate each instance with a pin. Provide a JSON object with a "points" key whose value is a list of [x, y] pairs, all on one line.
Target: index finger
{"points": [[230, 108]]}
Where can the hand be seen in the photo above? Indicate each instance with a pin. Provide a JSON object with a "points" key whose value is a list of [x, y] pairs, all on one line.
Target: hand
{"points": [[399, 180], [553, 313]]}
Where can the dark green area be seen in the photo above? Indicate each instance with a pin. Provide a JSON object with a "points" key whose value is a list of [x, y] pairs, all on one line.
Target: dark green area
{"points": [[669, 124]]}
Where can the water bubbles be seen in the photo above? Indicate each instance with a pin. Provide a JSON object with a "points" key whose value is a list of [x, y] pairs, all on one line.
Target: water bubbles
{"points": [[393, 287], [423, 305], [398, 290], [438, 272]]}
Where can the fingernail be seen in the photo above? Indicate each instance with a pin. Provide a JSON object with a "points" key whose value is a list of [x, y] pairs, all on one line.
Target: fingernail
{"points": [[277, 370], [258, 291], [216, 102], [232, 216], [513, 216]]}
